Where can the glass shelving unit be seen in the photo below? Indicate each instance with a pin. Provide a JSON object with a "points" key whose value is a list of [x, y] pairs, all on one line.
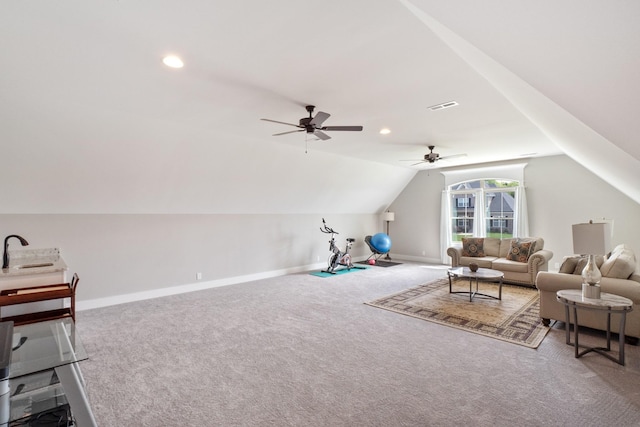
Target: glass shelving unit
{"points": [[44, 377]]}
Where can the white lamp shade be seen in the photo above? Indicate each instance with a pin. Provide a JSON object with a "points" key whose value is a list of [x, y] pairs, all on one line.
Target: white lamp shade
{"points": [[388, 216], [591, 238]]}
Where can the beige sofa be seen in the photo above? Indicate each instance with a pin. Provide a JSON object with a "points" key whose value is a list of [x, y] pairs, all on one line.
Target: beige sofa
{"points": [[619, 276], [506, 255]]}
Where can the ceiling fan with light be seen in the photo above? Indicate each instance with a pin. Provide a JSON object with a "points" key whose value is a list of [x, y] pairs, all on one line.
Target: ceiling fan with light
{"points": [[432, 157], [313, 125]]}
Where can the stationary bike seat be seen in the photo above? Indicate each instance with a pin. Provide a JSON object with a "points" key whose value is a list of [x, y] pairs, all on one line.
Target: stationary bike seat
{"points": [[350, 239]]}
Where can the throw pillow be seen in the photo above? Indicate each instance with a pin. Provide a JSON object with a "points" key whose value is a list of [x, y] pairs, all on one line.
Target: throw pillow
{"points": [[519, 251], [569, 264], [473, 246], [621, 265], [582, 262]]}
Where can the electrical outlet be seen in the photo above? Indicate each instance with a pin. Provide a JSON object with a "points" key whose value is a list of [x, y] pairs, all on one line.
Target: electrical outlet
{"points": [[198, 276]]}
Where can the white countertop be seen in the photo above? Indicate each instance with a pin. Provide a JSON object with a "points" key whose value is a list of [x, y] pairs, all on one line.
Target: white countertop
{"points": [[24, 262]]}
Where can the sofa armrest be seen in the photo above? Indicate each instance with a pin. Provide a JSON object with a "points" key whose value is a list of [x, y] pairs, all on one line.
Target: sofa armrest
{"points": [[547, 281], [539, 261], [455, 254]]}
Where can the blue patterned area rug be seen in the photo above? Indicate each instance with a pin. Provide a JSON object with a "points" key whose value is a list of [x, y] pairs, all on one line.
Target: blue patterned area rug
{"points": [[515, 318]]}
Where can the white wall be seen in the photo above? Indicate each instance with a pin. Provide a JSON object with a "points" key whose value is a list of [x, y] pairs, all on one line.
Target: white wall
{"points": [[126, 254], [560, 193]]}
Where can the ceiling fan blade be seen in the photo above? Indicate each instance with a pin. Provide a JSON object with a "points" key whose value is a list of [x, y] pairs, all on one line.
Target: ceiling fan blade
{"points": [[353, 128], [323, 136], [452, 156], [319, 118], [284, 133], [282, 123]]}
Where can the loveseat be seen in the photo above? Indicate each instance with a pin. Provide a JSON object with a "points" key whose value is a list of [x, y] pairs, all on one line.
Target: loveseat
{"points": [[520, 259], [619, 276]]}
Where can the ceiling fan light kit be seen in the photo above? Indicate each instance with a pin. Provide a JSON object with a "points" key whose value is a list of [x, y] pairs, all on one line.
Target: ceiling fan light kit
{"points": [[313, 125]]}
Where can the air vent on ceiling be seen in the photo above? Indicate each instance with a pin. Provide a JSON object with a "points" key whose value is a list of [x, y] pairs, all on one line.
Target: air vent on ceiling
{"points": [[443, 106]]}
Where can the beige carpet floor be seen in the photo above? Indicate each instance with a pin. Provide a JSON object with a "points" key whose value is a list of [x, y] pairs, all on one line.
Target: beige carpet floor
{"points": [[300, 350]]}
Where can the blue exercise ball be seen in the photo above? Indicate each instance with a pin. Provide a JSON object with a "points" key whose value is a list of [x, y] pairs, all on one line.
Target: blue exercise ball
{"points": [[381, 242]]}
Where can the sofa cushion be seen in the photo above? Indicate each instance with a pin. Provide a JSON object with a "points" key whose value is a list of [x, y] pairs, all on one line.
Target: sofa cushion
{"points": [[483, 262], [504, 265], [492, 246], [473, 246], [520, 250], [505, 247], [621, 264]]}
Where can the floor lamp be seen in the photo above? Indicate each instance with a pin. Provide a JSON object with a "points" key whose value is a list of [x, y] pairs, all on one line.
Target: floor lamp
{"points": [[388, 216]]}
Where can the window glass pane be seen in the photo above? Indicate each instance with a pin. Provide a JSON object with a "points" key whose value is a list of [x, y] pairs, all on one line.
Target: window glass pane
{"points": [[461, 215], [498, 213]]}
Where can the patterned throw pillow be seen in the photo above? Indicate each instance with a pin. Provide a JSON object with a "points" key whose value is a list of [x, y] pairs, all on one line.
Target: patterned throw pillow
{"points": [[473, 246], [519, 251]]}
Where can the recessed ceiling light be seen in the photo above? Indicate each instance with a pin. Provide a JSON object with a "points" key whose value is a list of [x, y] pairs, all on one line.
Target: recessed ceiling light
{"points": [[385, 131], [173, 61]]}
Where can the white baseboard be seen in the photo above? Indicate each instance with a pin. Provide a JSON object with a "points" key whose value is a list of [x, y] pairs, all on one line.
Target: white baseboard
{"points": [[199, 286], [190, 287], [416, 259]]}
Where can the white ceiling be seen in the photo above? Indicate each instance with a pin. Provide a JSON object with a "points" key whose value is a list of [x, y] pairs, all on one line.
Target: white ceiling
{"points": [[86, 98]]}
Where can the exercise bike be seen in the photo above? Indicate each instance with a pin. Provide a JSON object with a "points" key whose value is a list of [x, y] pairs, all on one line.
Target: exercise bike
{"points": [[337, 257]]}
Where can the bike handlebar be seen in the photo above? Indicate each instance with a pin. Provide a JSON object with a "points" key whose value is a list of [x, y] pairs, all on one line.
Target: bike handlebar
{"points": [[326, 229]]}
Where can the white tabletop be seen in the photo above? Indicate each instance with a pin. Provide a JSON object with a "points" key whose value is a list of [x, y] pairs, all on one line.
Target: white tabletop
{"points": [[606, 300], [482, 273]]}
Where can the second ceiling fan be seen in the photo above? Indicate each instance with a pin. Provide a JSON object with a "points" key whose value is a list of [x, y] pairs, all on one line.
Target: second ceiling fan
{"points": [[432, 157], [313, 125]]}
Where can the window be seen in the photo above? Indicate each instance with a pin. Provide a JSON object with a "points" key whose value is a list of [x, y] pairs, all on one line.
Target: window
{"points": [[463, 202], [498, 222], [485, 207]]}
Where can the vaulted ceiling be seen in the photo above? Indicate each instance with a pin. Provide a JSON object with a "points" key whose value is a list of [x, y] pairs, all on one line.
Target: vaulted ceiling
{"points": [[91, 120]]}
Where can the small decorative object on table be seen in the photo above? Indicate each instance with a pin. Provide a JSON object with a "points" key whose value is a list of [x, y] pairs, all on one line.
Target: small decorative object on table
{"points": [[473, 266]]}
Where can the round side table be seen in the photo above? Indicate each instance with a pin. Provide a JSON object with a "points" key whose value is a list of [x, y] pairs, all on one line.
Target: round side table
{"points": [[608, 303]]}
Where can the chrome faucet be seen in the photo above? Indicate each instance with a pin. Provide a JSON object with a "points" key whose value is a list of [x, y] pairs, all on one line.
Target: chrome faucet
{"points": [[5, 255]]}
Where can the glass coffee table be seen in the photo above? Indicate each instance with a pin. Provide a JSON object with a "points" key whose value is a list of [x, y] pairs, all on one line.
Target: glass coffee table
{"points": [[481, 275]]}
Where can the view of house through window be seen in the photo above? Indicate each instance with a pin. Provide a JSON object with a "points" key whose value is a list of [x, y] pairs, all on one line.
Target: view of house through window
{"points": [[485, 207]]}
